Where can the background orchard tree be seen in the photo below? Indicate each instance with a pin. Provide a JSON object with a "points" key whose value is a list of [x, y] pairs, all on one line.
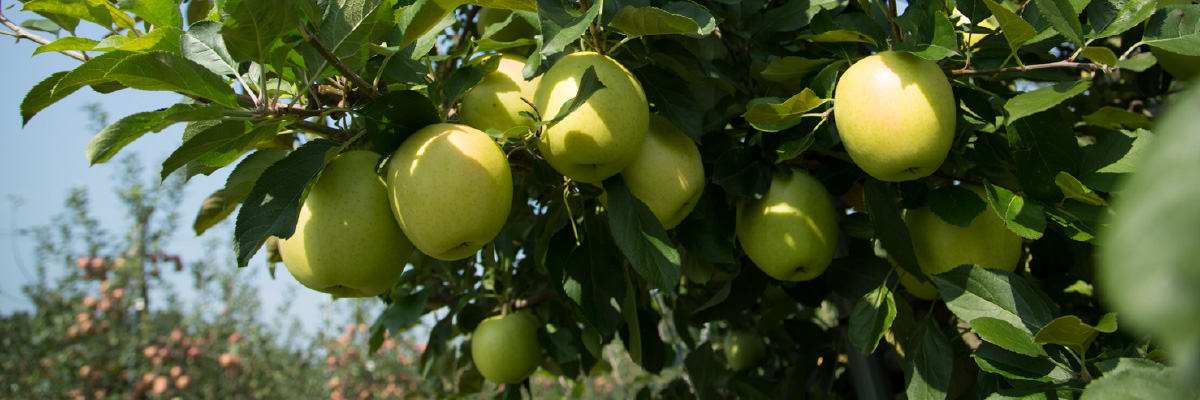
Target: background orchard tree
{"points": [[1056, 104]]}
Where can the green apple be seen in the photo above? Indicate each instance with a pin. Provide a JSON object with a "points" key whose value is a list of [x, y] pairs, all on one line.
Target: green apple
{"points": [[668, 174], [895, 114], [940, 246], [792, 231], [516, 29], [495, 102], [601, 137], [743, 350], [346, 242], [451, 189], [505, 347]]}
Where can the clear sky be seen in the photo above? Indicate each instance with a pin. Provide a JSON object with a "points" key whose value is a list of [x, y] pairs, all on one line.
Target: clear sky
{"points": [[41, 162]]}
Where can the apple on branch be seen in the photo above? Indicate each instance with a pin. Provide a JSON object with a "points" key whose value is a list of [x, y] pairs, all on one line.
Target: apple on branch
{"points": [[346, 243], [792, 231]]}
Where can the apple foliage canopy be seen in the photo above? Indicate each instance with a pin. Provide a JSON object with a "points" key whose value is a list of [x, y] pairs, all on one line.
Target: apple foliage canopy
{"points": [[1056, 110]]}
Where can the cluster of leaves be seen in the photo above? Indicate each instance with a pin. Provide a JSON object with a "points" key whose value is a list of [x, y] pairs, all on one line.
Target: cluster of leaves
{"points": [[1050, 118]]}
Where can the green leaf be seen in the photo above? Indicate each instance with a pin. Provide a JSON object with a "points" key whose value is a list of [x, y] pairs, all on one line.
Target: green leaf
{"points": [[707, 233], [1015, 29], [561, 26], [1023, 217], [403, 313], [1138, 62], [1026, 104], [1114, 17], [588, 280], [169, 72], [838, 36], [1064, 18], [1114, 118], [273, 205], [871, 318], [792, 68], [42, 95], [974, 10], [767, 116], [929, 364], [972, 292], [702, 367], [348, 24], [461, 80], [1070, 332], [1139, 383], [65, 44], [241, 180], [417, 19], [112, 43], [1175, 29], [202, 137], [646, 21], [735, 297], [740, 173], [956, 205], [160, 13], [1045, 145], [1117, 152], [1007, 336], [589, 84], [100, 12], [934, 39], [1101, 55], [253, 26], [795, 14], [391, 118], [1146, 269], [1074, 189], [672, 99], [161, 39], [641, 237], [889, 227], [203, 44], [992, 358], [212, 211], [116, 136]]}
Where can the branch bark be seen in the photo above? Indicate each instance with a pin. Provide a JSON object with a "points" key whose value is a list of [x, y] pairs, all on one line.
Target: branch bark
{"points": [[1058, 64], [337, 63], [20, 33]]}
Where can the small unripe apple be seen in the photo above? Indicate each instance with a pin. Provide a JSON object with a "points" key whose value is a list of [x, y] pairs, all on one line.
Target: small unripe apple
{"points": [[792, 231], [450, 188], [601, 137], [505, 347], [495, 102], [743, 350], [895, 113], [940, 246]]}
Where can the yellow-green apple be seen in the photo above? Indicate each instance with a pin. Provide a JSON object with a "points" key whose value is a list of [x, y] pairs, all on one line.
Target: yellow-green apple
{"points": [[601, 137], [346, 243], [792, 231], [940, 246], [505, 347], [451, 189], [516, 29], [495, 102], [743, 350], [668, 174], [895, 114]]}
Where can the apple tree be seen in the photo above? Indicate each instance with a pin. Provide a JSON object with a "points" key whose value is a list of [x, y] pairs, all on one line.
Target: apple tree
{"points": [[757, 198]]}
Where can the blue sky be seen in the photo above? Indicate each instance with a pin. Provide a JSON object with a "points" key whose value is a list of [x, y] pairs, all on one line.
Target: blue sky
{"points": [[41, 162]]}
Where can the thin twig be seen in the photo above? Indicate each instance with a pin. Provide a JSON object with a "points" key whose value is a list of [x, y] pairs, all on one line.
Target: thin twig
{"points": [[23, 34], [337, 63], [891, 17], [1058, 64]]}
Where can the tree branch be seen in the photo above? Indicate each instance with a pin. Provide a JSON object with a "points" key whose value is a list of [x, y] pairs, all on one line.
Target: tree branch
{"points": [[337, 63], [23, 34], [1058, 64]]}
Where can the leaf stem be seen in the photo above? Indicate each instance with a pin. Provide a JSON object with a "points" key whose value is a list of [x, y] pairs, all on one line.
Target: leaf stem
{"points": [[337, 63], [1057, 64]]}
